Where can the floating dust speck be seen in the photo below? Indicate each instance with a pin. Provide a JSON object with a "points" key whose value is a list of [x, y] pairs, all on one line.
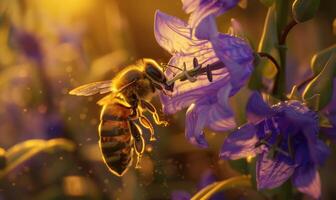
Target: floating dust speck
{"points": [[61, 158], [94, 121], [82, 116], [149, 148], [75, 185], [68, 69]]}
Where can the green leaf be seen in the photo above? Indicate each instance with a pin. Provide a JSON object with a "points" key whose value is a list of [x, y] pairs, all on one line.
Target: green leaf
{"points": [[325, 122], [267, 44], [207, 192], [322, 84], [240, 165], [320, 59], [294, 94], [267, 3], [21, 152], [304, 10]]}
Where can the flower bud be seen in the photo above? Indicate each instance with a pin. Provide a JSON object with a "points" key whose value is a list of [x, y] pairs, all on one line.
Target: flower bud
{"points": [[304, 10]]}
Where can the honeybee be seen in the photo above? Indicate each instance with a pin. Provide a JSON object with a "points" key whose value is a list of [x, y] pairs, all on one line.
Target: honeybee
{"points": [[122, 111]]}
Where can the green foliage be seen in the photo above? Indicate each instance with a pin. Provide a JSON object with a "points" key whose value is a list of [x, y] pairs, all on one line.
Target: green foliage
{"points": [[321, 87], [304, 10], [21, 152], [210, 190], [267, 44], [240, 165], [320, 59]]}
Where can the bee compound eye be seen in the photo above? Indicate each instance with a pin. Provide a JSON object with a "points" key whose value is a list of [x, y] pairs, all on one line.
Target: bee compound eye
{"points": [[154, 73]]}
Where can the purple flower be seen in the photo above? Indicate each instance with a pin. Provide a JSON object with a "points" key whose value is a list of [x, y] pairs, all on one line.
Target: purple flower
{"points": [[284, 138], [207, 178], [200, 9], [27, 43], [207, 101]]}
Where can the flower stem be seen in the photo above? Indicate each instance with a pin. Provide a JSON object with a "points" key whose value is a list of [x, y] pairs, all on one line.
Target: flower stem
{"points": [[279, 89], [284, 34], [210, 190], [305, 82]]}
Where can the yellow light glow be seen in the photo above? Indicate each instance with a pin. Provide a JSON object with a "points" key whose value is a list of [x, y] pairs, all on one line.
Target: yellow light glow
{"points": [[64, 10], [74, 185], [249, 159]]}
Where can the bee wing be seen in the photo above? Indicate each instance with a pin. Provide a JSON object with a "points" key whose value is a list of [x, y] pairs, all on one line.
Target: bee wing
{"points": [[101, 87]]}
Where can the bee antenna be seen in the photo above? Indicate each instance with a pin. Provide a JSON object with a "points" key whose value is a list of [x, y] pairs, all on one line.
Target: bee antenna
{"points": [[172, 66]]}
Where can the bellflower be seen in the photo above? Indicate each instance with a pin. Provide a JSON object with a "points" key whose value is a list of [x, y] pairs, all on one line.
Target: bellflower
{"points": [[207, 178], [284, 138], [28, 43], [207, 101]]}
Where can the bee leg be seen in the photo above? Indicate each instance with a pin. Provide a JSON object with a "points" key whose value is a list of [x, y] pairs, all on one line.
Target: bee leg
{"points": [[134, 102], [139, 142], [134, 115], [146, 123], [147, 105]]}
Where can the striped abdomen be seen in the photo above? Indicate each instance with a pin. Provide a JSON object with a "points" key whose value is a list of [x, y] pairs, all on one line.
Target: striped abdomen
{"points": [[115, 138]]}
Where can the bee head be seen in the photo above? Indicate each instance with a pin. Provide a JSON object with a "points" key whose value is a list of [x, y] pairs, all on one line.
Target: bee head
{"points": [[153, 71]]}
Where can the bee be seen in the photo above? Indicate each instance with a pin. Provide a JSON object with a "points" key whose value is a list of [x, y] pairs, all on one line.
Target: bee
{"points": [[129, 93]]}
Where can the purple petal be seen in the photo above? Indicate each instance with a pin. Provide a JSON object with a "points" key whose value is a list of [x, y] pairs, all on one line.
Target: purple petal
{"points": [[207, 29], [196, 118], [240, 143], [310, 133], [200, 9], [237, 56], [307, 180], [257, 109], [180, 195], [272, 173], [220, 116], [171, 33]]}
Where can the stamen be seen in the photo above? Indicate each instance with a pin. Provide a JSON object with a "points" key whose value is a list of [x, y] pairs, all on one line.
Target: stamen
{"points": [[185, 72], [209, 73]]}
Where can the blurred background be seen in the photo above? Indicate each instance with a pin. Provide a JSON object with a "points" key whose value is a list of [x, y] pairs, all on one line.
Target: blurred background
{"points": [[48, 47]]}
